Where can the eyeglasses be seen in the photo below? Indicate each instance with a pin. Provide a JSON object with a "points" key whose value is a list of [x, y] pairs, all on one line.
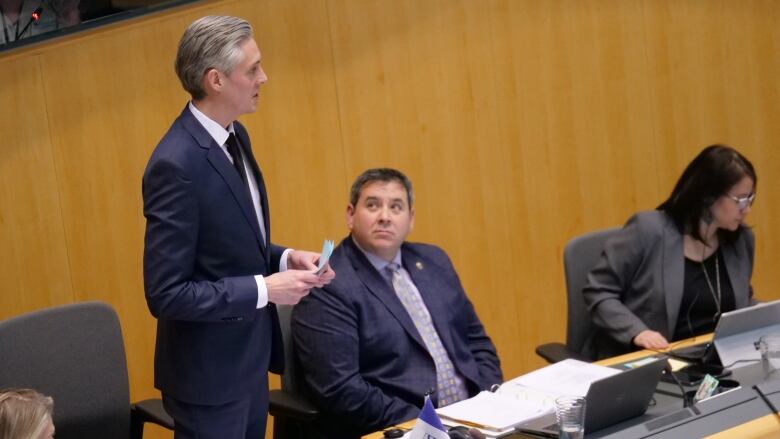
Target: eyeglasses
{"points": [[744, 202]]}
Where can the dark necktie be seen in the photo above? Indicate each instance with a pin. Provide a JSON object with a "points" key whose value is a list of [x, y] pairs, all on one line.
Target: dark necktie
{"points": [[238, 163], [235, 153]]}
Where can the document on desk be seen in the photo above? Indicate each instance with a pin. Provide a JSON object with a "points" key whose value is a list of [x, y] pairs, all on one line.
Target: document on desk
{"points": [[491, 411], [526, 397], [567, 377]]}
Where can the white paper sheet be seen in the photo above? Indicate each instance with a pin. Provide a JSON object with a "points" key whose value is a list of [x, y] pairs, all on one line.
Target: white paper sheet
{"points": [[526, 397]]}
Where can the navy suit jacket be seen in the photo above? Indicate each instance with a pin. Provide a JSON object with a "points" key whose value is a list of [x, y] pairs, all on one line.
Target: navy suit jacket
{"points": [[361, 358], [203, 248]]}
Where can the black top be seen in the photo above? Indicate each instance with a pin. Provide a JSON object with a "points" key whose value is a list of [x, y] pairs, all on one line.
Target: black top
{"points": [[698, 312]]}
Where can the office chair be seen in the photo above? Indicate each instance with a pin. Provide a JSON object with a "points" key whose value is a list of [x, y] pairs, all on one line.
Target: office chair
{"points": [[75, 354], [292, 412], [579, 257]]}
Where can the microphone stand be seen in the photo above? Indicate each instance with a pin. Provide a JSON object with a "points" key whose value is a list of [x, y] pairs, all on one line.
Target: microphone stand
{"points": [[34, 17], [668, 370]]}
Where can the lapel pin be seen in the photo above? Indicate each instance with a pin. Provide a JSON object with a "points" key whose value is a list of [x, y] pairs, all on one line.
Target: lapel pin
{"points": [[419, 265]]}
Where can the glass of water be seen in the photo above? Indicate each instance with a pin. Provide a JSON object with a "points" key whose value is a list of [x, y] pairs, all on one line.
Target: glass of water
{"points": [[570, 415], [769, 345]]}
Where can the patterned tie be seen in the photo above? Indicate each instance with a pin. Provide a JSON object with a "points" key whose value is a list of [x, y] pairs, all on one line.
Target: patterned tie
{"points": [[450, 386]]}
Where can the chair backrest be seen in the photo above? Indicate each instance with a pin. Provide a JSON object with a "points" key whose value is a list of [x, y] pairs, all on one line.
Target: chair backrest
{"points": [[288, 378], [75, 354], [579, 257]]}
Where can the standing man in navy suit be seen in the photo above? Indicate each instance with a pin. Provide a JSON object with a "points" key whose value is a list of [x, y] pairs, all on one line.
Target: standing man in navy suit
{"points": [[211, 274], [393, 326]]}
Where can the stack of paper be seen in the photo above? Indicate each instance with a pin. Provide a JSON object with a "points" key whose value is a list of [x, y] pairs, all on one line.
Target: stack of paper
{"points": [[492, 411], [526, 397]]}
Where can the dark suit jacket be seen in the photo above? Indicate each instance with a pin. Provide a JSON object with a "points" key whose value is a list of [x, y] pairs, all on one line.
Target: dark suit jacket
{"points": [[361, 358], [638, 282], [202, 249]]}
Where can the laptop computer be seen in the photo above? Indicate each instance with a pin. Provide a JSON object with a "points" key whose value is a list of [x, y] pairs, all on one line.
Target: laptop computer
{"points": [[734, 336], [737, 331], [610, 400]]}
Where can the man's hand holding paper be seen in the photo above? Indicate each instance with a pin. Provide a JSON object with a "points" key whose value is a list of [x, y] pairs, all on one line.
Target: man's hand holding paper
{"points": [[303, 273], [327, 250]]}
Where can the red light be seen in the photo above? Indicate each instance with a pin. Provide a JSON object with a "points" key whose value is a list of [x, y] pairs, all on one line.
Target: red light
{"points": [[36, 15]]}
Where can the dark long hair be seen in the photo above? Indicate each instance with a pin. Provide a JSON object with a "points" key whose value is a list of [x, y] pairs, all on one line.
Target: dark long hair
{"points": [[709, 176]]}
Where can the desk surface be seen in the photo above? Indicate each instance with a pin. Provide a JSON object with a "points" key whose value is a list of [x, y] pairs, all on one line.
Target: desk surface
{"points": [[763, 427]]}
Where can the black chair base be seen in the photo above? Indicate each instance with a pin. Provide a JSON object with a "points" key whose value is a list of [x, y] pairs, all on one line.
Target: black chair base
{"points": [[148, 410]]}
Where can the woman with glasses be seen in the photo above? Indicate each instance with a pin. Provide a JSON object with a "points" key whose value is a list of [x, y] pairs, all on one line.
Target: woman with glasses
{"points": [[670, 273]]}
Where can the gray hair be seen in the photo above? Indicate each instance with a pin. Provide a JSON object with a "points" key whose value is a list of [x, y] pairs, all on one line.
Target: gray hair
{"points": [[212, 42], [380, 174], [24, 413]]}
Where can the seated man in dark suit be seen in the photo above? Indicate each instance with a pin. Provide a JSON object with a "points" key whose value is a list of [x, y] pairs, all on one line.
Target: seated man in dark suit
{"points": [[394, 325]]}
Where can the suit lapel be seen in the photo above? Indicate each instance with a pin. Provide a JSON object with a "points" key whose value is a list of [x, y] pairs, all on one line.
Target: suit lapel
{"points": [[219, 161], [246, 149], [673, 266], [381, 289]]}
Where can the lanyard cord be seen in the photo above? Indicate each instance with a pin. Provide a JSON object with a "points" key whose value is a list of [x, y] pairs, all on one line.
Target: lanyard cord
{"points": [[716, 295]]}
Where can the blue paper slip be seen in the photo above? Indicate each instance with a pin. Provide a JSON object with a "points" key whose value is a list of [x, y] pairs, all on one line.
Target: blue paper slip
{"points": [[327, 250], [639, 362]]}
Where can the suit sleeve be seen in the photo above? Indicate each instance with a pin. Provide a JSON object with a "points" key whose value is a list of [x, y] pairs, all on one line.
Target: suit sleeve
{"points": [[325, 330], [171, 210], [483, 350], [276, 256], [610, 281], [479, 344]]}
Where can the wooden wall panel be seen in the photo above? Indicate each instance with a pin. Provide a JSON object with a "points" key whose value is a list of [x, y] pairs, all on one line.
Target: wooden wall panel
{"points": [[522, 123], [416, 92], [577, 138], [110, 100], [34, 267], [713, 70], [296, 133]]}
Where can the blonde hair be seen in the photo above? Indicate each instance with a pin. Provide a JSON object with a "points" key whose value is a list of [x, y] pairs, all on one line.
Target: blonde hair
{"points": [[24, 413]]}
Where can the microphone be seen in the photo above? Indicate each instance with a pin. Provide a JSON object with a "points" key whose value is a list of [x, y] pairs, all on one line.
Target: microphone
{"points": [[34, 17], [463, 432], [476, 434], [766, 399]]}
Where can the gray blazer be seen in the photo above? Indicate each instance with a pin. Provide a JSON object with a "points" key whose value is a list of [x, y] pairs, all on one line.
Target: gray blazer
{"points": [[638, 282]]}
